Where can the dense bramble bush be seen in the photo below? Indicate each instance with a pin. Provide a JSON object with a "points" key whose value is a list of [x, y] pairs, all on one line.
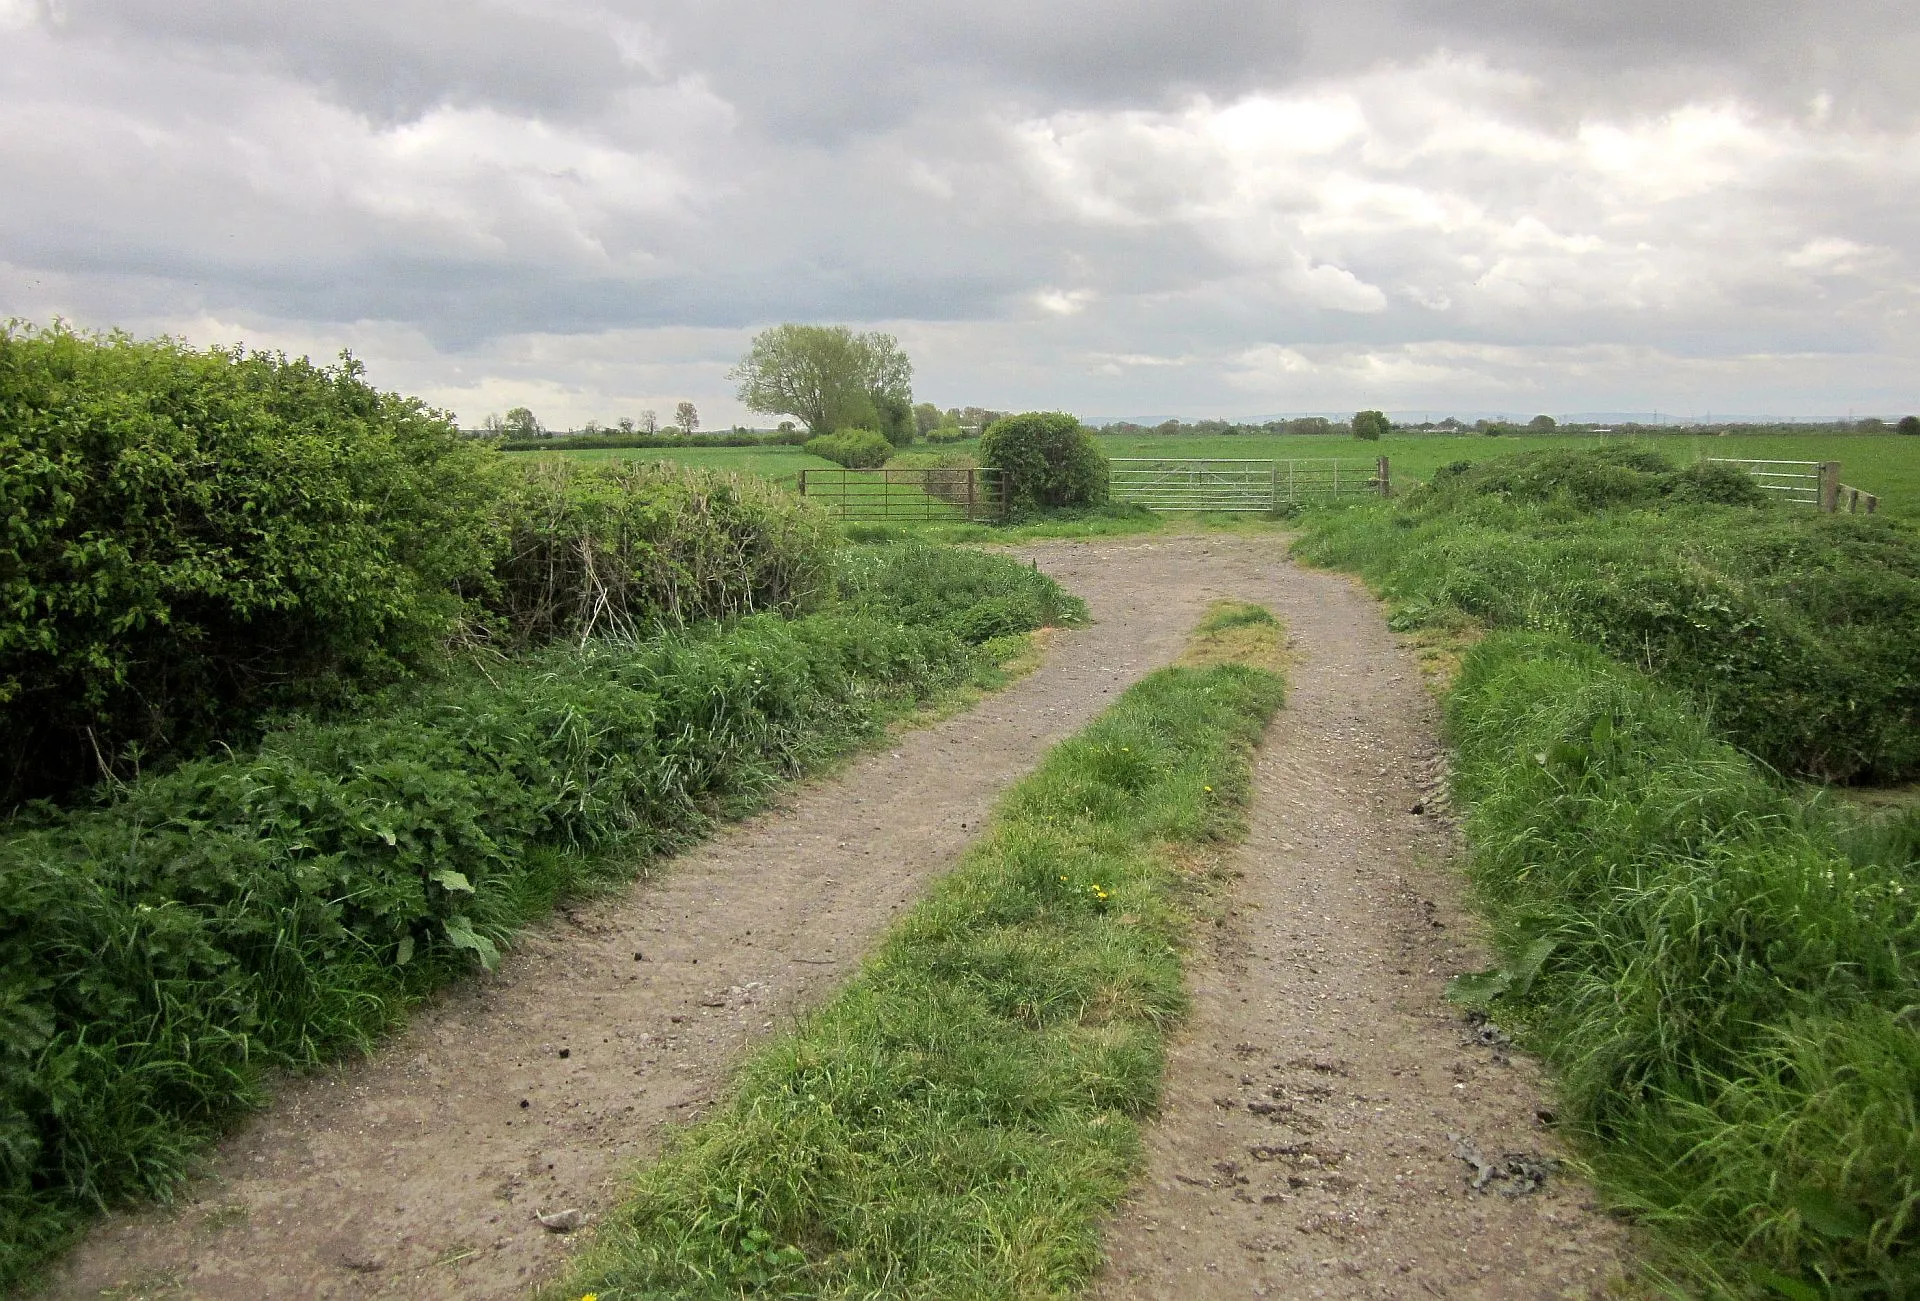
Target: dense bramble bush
{"points": [[591, 550], [1050, 460], [189, 539], [1724, 976], [1798, 633], [857, 449]]}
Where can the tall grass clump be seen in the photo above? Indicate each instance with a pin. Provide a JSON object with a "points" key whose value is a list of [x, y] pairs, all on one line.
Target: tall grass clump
{"points": [[1724, 975], [959, 1119], [1798, 633], [974, 595]]}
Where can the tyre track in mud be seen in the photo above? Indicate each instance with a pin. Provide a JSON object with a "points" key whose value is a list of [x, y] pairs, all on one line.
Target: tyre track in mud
{"points": [[418, 1174]]}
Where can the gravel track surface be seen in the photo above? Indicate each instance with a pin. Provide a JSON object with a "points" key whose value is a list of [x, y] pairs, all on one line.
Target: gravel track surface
{"points": [[1304, 1146], [1327, 1113]]}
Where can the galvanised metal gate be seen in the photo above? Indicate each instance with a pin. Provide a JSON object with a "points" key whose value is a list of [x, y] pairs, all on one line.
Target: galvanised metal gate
{"points": [[932, 493], [1805, 483], [1195, 484]]}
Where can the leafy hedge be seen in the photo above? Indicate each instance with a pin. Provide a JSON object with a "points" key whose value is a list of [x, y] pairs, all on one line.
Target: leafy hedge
{"points": [[1799, 633], [190, 539], [857, 449], [274, 909], [192, 542], [1725, 978]]}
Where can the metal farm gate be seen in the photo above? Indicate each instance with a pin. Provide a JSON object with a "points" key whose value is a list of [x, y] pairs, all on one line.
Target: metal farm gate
{"points": [[1804, 483], [935, 493], [1171, 484]]}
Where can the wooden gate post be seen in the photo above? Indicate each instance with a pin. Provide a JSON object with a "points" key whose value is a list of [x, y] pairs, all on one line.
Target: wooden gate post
{"points": [[1829, 486], [973, 477], [803, 483], [1386, 480]]}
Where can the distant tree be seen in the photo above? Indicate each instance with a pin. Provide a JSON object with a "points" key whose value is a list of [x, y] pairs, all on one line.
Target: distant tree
{"points": [[493, 426], [1543, 424], [830, 378], [649, 422], [1871, 425], [686, 417], [521, 423], [1370, 425], [1909, 425], [926, 418], [626, 424], [1310, 425]]}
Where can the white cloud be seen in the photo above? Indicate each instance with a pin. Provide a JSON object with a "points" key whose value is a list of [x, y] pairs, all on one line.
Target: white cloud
{"points": [[555, 198]]}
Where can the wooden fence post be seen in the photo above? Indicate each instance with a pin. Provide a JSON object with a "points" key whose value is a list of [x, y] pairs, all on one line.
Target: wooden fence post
{"points": [[973, 477], [1829, 486], [803, 483], [1386, 479]]}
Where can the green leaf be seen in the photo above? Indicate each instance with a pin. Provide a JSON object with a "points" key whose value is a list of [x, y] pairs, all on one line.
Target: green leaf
{"points": [[451, 880], [1835, 1217], [1531, 961], [461, 935], [1478, 988], [404, 954], [1791, 1288]]}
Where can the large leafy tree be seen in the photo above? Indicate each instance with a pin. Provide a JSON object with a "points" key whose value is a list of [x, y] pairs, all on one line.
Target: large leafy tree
{"points": [[830, 378]]}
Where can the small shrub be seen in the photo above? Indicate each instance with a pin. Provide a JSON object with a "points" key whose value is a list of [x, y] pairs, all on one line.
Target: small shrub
{"points": [[1051, 460], [1370, 425], [1909, 425], [857, 449]]}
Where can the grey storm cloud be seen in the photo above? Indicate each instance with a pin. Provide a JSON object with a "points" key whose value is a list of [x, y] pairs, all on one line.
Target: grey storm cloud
{"points": [[1217, 205]]}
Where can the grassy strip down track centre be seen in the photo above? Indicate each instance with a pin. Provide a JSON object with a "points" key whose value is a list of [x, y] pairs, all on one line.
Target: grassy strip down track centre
{"points": [[1722, 965], [960, 1118], [281, 906]]}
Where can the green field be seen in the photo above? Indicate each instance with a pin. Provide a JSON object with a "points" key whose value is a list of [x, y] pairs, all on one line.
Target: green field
{"points": [[1886, 464]]}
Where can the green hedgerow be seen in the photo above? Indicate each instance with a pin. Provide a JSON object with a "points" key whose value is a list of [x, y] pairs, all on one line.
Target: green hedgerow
{"points": [[1050, 460]]}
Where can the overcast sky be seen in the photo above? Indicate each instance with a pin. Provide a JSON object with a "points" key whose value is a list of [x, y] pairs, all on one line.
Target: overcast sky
{"points": [[1201, 207]]}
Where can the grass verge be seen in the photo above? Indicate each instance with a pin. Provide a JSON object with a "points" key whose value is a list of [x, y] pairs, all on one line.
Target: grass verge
{"points": [[959, 1119], [161, 954], [1724, 973]]}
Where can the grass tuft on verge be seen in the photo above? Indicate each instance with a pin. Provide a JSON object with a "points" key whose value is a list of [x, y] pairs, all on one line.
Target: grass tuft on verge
{"points": [[1723, 972], [959, 1119]]}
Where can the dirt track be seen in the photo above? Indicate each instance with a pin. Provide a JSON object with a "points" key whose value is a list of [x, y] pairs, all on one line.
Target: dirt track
{"points": [[418, 1174]]}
